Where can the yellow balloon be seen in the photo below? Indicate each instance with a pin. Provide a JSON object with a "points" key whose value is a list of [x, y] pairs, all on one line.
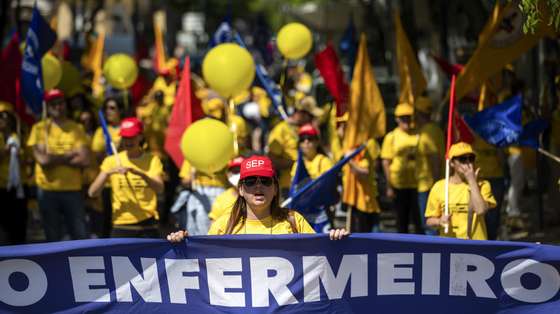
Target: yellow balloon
{"points": [[207, 145], [294, 40], [120, 70], [71, 80], [228, 69], [52, 71]]}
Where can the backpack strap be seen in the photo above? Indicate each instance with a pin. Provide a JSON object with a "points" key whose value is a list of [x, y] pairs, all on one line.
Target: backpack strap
{"points": [[292, 221]]}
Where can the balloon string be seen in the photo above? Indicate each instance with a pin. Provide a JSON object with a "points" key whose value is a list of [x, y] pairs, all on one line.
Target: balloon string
{"points": [[232, 126]]}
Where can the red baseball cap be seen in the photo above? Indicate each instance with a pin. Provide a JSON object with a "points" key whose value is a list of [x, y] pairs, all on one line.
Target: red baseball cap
{"points": [[256, 166], [131, 127], [308, 129], [235, 162], [53, 94]]}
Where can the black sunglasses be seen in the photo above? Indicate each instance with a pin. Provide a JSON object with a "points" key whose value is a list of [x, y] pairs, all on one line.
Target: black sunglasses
{"points": [[466, 159], [252, 181]]}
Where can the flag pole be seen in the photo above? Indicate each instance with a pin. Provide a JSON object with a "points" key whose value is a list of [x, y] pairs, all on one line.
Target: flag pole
{"points": [[549, 155], [449, 141]]}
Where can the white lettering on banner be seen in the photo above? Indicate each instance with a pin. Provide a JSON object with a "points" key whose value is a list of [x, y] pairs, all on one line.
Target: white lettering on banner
{"points": [[387, 272], [30, 68], [255, 164], [277, 284], [146, 284], [36, 277], [460, 276], [177, 282], [548, 277], [316, 270], [218, 282], [431, 272], [82, 280], [33, 40]]}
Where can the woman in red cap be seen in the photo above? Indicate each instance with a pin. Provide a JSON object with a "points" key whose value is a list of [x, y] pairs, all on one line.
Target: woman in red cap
{"points": [[136, 179], [257, 209]]}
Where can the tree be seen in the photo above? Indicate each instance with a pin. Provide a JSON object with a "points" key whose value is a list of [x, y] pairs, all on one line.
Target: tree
{"points": [[535, 14]]}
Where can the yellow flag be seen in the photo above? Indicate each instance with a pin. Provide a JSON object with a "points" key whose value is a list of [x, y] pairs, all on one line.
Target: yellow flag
{"points": [[366, 111], [366, 119], [160, 51], [412, 79], [502, 41], [97, 64]]}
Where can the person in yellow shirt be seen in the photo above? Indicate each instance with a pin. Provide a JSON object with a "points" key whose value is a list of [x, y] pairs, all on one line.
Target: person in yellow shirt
{"points": [[283, 139], [14, 217], [216, 108], [136, 179], [399, 152], [469, 198], [224, 202], [429, 159], [113, 110], [491, 161], [257, 209], [60, 149], [316, 163]]}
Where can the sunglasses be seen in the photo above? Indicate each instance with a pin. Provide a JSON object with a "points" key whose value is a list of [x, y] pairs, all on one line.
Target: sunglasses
{"points": [[310, 138], [112, 108], [252, 181], [466, 159]]}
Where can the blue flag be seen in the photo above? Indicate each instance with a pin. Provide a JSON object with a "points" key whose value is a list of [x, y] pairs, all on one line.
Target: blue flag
{"points": [[40, 38], [106, 134], [530, 135], [301, 178], [321, 191], [499, 125], [224, 34], [349, 46]]}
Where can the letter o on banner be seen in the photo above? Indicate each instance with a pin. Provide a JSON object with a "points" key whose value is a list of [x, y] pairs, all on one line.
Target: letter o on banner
{"points": [[36, 288], [548, 275]]}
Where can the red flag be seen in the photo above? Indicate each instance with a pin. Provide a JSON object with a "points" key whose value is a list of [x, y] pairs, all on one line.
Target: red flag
{"points": [[450, 69], [186, 110], [10, 88], [462, 132], [329, 67]]}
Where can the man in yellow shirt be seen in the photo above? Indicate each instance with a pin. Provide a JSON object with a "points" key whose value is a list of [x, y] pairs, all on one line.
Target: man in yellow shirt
{"points": [[136, 179], [283, 139], [60, 149], [398, 152], [469, 198], [430, 154]]}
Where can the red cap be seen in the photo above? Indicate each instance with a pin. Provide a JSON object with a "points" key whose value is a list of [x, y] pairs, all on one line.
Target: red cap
{"points": [[130, 127], [53, 94], [235, 162], [256, 166], [308, 129]]}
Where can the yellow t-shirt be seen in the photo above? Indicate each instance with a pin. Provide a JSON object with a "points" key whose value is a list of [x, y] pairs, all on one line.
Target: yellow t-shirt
{"points": [[459, 196], [362, 194], [315, 167], [430, 143], [61, 139], [402, 149], [168, 90], [262, 226], [487, 159], [218, 179], [98, 141], [223, 203], [133, 200], [283, 143]]}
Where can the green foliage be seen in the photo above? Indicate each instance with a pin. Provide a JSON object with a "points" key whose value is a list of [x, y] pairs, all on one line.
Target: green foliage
{"points": [[534, 15]]}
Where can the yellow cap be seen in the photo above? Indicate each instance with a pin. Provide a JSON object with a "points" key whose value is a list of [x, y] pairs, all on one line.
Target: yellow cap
{"points": [[404, 109], [459, 149], [214, 107], [6, 106], [309, 104], [241, 97], [423, 104]]}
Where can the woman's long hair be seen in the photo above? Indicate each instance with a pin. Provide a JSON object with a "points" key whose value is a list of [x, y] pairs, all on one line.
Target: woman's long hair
{"points": [[239, 211]]}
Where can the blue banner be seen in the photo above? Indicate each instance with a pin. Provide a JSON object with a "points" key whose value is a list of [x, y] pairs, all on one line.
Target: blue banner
{"points": [[40, 38], [365, 273]]}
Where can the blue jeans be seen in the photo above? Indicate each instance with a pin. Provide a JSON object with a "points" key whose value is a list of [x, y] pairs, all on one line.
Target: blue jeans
{"points": [[422, 204], [58, 207], [492, 217]]}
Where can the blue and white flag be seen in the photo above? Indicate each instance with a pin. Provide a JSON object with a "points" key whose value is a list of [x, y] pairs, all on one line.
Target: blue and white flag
{"points": [[364, 273], [224, 34], [106, 134], [321, 192], [40, 38]]}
